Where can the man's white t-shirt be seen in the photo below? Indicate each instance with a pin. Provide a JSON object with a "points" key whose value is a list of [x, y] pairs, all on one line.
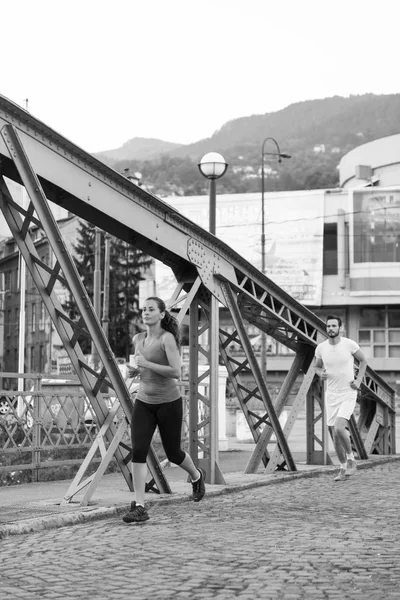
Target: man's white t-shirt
{"points": [[338, 361]]}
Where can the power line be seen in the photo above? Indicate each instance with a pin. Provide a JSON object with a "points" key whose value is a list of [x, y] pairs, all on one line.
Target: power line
{"points": [[268, 222]]}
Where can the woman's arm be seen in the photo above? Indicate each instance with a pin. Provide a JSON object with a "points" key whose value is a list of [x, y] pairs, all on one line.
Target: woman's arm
{"points": [[173, 369], [131, 371]]}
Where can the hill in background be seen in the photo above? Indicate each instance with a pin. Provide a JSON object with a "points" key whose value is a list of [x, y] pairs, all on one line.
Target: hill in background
{"points": [[137, 149], [316, 133]]}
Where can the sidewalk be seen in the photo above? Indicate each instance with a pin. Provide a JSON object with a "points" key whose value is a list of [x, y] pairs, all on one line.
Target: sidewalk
{"points": [[36, 506]]}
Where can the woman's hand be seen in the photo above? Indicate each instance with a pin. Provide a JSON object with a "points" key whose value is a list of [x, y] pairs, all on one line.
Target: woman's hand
{"points": [[131, 371], [141, 361]]}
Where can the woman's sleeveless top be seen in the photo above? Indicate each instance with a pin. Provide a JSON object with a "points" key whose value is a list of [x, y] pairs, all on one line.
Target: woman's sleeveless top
{"points": [[154, 388]]}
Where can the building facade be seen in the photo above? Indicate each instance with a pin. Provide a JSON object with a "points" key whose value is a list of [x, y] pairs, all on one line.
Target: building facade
{"points": [[43, 348]]}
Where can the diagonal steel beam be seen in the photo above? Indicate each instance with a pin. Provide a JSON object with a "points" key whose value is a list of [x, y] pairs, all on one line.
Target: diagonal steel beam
{"points": [[293, 414], [280, 403], [238, 321], [236, 369]]}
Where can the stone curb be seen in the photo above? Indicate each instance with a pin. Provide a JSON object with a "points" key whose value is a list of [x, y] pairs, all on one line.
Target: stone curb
{"points": [[94, 514]]}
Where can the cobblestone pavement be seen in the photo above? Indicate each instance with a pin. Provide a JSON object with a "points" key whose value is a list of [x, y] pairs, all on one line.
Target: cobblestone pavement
{"points": [[303, 539]]}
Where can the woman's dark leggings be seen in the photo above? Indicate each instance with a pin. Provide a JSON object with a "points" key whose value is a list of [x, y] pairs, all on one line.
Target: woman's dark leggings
{"points": [[168, 417]]}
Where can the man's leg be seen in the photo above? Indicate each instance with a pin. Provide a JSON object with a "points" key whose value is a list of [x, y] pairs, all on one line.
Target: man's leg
{"points": [[340, 453], [342, 444], [341, 439]]}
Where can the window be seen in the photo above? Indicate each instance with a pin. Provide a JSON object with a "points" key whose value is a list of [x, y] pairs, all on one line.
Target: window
{"points": [[394, 317], [42, 316], [42, 358], [16, 322], [33, 317], [14, 280], [330, 259], [371, 317], [7, 281], [380, 331], [32, 360], [347, 248], [376, 226]]}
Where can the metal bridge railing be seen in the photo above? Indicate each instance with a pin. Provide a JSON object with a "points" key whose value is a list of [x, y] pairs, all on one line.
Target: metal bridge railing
{"points": [[45, 434]]}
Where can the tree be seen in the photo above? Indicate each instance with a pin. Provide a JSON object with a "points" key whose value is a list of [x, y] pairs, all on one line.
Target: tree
{"points": [[128, 264], [127, 267], [84, 261]]}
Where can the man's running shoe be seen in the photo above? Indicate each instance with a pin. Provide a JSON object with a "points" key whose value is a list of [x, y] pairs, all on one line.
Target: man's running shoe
{"points": [[341, 476], [199, 489], [137, 514], [351, 467]]}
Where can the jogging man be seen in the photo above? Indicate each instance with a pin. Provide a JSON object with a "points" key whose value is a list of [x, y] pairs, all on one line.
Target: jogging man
{"points": [[335, 364]]}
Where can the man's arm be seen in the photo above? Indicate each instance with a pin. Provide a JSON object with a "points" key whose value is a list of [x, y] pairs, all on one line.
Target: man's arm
{"points": [[319, 368], [359, 355]]}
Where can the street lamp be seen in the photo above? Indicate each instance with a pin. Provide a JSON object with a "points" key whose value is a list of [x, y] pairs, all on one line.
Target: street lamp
{"points": [[212, 166], [279, 155]]}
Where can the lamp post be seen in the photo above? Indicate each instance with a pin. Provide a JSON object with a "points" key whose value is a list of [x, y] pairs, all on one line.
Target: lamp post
{"points": [[279, 155], [213, 166]]}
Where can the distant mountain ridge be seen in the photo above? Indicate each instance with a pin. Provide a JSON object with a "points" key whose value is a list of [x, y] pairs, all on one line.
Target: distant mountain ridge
{"points": [[137, 148], [316, 133], [314, 121]]}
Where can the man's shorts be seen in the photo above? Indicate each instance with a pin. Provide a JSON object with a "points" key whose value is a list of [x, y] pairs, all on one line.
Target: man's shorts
{"points": [[340, 405]]}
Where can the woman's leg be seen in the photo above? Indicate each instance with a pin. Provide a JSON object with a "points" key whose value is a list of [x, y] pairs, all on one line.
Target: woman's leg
{"points": [[188, 465], [143, 425], [139, 474], [169, 420]]}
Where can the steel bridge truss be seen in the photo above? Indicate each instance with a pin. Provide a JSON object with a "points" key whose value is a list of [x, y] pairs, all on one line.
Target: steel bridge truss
{"points": [[109, 439], [208, 274]]}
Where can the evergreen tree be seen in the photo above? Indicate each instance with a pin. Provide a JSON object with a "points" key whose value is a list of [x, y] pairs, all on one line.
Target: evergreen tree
{"points": [[83, 256], [127, 267]]}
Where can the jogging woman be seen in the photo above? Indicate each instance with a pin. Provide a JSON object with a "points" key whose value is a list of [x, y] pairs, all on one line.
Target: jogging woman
{"points": [[158, 403]]}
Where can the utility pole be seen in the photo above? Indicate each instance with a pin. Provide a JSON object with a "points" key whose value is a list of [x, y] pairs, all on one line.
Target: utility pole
{"points": [[106, 294], [279, 155], [22, 322], [96, 288]]}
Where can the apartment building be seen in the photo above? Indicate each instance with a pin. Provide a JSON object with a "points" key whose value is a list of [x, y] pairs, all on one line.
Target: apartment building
{"points": [[42, 343]]}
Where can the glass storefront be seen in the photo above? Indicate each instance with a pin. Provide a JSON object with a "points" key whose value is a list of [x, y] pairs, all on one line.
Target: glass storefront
{"points": [[376, 226]]}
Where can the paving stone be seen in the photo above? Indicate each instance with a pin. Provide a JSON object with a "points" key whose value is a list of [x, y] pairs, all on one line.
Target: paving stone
{"points": [[309, 538]]}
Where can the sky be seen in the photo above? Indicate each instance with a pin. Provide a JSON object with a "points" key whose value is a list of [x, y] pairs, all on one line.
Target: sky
{"points": [[101, 73]]}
